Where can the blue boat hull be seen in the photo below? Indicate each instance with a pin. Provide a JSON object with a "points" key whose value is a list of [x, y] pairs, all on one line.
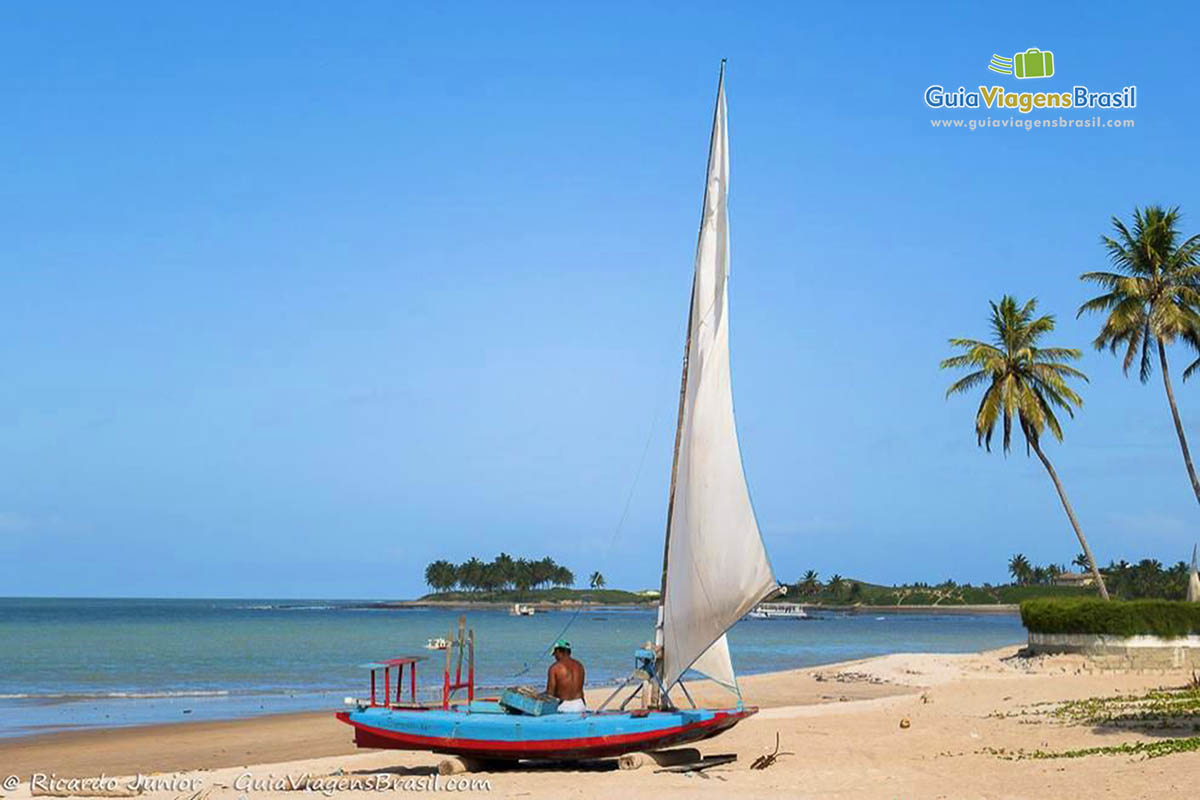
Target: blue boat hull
{"points": [[484, 731]]}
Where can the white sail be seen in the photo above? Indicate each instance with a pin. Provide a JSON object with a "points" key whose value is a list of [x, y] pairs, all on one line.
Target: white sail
{"points": [[1193, 590], [716, 664], [716, 565]]}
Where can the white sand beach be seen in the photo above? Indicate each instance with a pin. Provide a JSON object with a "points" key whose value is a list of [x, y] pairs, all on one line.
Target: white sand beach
{"points": [[840, 727]]}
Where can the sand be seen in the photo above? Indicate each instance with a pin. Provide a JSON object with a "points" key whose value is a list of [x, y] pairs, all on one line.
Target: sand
{"points": [[840, 728]]}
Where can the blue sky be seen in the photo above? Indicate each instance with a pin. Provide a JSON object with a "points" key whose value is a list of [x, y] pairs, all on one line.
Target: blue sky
{"points": [[298, 297]]}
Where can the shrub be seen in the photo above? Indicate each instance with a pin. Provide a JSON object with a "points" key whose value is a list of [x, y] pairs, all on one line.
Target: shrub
{"points": [[1167, 618]]}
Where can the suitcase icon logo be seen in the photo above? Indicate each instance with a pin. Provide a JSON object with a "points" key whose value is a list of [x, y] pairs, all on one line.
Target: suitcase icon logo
{"points": [[1033, 63]]}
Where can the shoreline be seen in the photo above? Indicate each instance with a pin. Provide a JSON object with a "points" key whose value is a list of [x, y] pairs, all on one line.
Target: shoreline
{"points": [[182, 745], [906, 724], [560, 605], [331, 703]]}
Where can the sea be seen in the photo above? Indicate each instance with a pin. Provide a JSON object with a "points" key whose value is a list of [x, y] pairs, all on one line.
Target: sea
{"points": [[78, 663]]}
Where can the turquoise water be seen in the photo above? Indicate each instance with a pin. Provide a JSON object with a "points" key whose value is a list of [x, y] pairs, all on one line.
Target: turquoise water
{"points": [[67, 663]]}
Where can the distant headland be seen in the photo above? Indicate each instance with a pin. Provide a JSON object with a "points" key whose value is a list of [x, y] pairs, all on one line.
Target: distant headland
{"points": [[545, 584]]}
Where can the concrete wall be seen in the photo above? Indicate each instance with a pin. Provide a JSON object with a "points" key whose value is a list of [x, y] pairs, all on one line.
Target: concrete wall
{"points": [[1123, 652]]}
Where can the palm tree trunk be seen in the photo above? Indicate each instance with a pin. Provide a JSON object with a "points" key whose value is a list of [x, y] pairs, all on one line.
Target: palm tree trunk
{"points": [[1062, 495], [1183, 445]]}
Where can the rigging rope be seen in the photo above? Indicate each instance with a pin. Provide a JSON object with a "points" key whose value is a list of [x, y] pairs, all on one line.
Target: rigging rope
{"points": [[611, 542]]}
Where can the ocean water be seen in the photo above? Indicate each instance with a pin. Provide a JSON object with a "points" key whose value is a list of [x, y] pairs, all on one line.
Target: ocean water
{"points": [[71, 663]]}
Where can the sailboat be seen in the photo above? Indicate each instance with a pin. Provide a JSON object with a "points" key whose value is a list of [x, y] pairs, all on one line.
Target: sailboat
{"points": [[715, 567]]}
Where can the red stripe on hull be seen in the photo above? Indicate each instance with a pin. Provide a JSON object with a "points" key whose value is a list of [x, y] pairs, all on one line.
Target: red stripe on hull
{"points": [[584, 747]]}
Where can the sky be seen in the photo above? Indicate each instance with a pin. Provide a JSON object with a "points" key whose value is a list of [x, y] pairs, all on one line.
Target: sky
{"points": [[298, 297]]}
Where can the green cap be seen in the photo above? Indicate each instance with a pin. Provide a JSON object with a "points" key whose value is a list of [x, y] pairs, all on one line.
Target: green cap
{"points": [[562, 643]]}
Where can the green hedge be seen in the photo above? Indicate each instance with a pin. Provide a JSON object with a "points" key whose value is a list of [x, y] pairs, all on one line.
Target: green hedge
{"points": [[1168, 618]]}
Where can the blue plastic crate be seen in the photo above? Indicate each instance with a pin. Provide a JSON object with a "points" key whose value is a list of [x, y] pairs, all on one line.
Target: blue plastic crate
{"points": [[526, 701]]}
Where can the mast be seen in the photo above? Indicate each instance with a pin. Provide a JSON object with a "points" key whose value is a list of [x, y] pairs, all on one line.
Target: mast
{"points": [[687, 350]]}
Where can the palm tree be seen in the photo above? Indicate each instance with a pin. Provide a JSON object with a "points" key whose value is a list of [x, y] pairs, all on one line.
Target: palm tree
{"points": [[596, 581], [561, 576], [1080, 561], [470, 574], [1025, 381], [523, 575], [543, 571], [504, 566], [809, 582], [1020, 568], [489, 577], [1151, 300], [440, 575], [835, 585]]}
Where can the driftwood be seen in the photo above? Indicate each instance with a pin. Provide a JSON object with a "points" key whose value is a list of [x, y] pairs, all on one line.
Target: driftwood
{"points": [[762, 762], [662, 758], [456, 765]]}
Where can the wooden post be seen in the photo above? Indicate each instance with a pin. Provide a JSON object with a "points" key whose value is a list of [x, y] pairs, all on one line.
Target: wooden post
{"points": [[446, 677], [471, 665], [372, 686], [412, 678], [462, 624]]}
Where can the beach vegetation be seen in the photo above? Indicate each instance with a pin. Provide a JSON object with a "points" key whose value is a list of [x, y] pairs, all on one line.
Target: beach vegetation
{"points": [[503, 573], [1166, 618], [1145, 749], [560, 595], [948, 593], [1020, 568], [809, 584], [1171, 714]]}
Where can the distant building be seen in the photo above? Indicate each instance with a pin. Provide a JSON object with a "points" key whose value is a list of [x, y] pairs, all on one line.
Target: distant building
{"points": [[1073, 579], [647, 593]]}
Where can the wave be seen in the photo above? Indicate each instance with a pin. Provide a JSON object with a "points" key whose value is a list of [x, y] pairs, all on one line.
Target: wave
{"points": [[111, 695], [174, 694]]}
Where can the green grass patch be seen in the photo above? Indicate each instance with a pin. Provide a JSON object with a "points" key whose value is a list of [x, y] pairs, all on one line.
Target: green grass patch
{"points": [[1166, 618], [1156, 709], [1155, 712], [1157, 749]]}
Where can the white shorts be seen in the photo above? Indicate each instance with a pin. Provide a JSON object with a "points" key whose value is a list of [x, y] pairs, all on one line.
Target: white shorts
{"points": [[572, 706]]}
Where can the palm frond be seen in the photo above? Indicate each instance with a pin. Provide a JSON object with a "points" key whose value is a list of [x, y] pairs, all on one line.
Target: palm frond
{"points": [[969, 382], [1025, 383]]}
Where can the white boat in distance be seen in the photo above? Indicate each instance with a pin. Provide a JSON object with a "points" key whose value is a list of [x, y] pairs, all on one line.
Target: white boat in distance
{"points": [[521, 610], [778, 611]]}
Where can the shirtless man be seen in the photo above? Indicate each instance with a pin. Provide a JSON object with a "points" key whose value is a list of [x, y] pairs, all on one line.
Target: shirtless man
{"points": [[564, 679]]}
